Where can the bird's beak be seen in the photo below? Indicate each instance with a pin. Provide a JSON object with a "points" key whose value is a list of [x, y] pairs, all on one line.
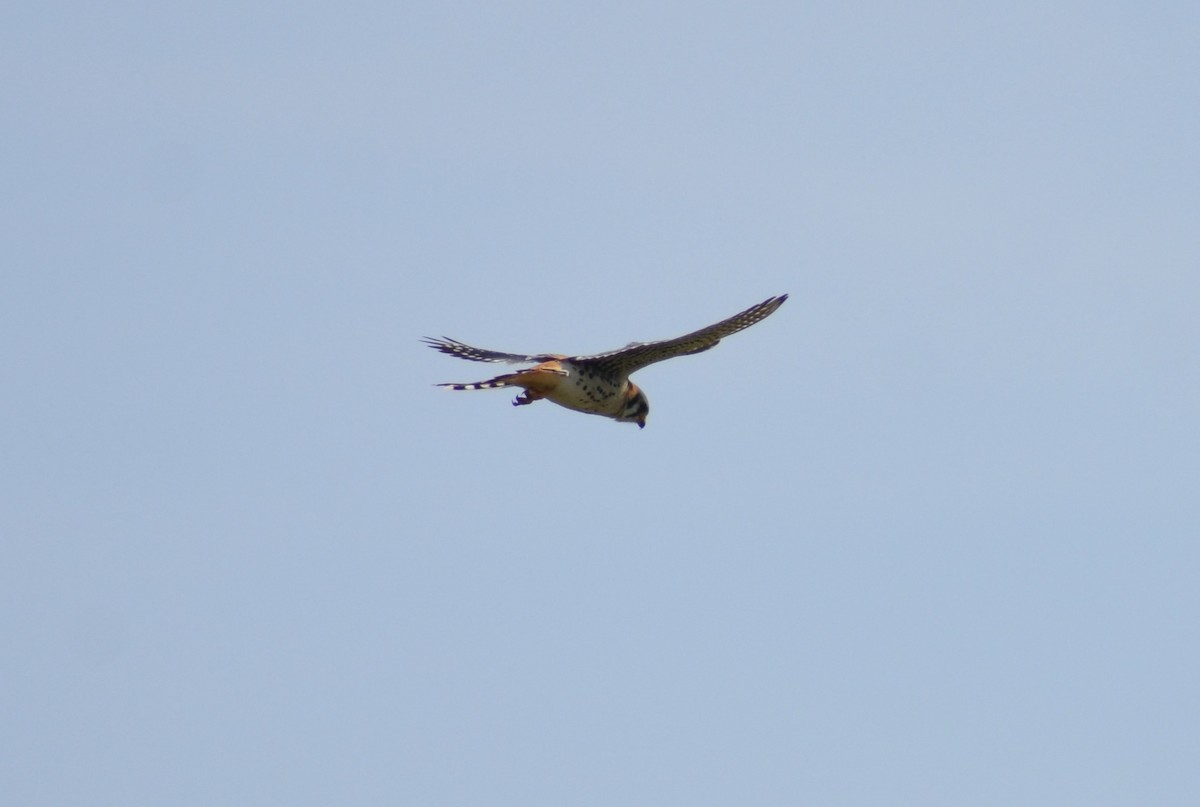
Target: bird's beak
{"points": [[642, 423]]}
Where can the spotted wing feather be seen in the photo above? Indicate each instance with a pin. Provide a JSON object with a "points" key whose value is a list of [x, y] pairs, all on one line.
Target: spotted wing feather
{"points": [[453, 347], [638, 355]]}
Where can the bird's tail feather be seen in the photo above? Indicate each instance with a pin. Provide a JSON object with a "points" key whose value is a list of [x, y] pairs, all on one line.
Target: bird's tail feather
{"points": [[499, 381]]}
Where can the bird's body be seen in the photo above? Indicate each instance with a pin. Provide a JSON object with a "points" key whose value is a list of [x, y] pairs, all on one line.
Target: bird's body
{"points": [[566, 383], [598, 384]]}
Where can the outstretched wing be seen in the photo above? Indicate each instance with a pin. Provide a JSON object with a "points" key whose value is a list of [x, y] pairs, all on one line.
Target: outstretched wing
{"points": [[638, 355], [453, 347]]}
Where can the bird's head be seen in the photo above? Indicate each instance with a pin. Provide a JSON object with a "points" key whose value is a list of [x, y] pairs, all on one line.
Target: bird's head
{"points": [[636, 408]]}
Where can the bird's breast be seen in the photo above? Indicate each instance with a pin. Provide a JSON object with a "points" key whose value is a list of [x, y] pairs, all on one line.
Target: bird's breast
{"points": [[587, 390]]}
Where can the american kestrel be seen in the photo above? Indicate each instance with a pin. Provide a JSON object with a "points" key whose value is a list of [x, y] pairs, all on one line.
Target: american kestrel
{"points": [[599, 384]]}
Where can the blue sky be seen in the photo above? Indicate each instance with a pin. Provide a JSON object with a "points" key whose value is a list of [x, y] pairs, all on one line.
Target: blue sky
{"points": [[928, 535]]}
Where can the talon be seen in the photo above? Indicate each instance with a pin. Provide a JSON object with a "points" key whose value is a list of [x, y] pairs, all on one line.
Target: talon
{"points": [[526, 397]]}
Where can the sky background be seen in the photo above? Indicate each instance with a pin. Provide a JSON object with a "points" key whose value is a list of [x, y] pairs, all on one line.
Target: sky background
{"points": [[928, 535]]}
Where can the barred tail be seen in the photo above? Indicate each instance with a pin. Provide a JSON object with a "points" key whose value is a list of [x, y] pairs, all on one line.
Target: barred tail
{"points": [[493, 383]]}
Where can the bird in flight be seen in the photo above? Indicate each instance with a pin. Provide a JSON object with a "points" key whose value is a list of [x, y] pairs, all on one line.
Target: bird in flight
{"points": [[599, 384]]}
